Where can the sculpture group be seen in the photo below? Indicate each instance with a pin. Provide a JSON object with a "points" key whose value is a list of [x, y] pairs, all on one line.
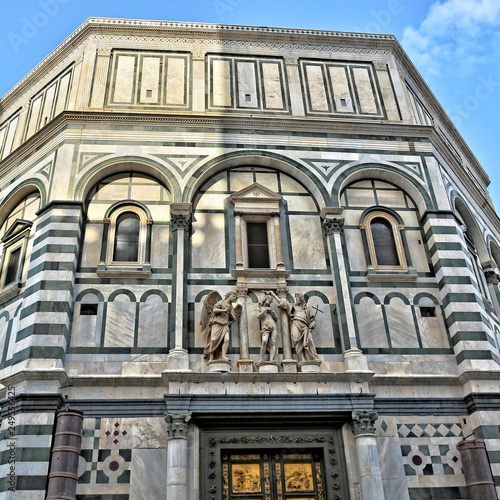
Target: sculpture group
{"points": [[218, 315]]}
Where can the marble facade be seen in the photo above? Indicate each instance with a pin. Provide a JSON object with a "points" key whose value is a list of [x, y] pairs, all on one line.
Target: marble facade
{"points": [[199, 131]]}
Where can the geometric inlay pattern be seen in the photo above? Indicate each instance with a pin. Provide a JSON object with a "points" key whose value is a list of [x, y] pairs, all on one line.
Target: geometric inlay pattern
{"points": [[429, 430]]}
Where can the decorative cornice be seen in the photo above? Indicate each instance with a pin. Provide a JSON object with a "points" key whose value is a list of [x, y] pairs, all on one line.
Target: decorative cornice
{"points": [[177, 424], [364, 422]]}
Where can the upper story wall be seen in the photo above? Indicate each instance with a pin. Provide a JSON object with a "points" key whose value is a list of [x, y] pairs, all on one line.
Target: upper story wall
{"points": [[151, 67]]}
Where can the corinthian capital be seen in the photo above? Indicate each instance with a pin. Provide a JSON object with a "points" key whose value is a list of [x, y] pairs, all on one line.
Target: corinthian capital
{"points": [[364, 422], [177, 424]]}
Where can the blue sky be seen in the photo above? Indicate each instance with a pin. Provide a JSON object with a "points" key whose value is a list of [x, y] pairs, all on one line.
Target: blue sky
{"points": [[455, 44]]}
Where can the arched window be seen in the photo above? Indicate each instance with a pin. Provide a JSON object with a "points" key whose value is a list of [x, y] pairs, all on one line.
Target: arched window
{"points": [[384, 242], [127, 238]]}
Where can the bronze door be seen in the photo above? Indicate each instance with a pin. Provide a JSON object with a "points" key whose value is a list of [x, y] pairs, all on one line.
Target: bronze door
{"points": [[272, 475]]}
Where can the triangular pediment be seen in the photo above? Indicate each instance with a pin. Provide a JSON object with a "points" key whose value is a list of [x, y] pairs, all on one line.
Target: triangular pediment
{"points": [[18, 227], [256, 192]]}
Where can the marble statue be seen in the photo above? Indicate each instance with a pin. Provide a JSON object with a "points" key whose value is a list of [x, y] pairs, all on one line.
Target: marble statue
{"points": [[268, 332], [216, 319], [302, 322]]}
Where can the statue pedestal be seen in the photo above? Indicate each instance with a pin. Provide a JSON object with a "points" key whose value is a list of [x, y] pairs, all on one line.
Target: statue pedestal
{"points": [[289, 366], [267, 366], [310, 367], [219, 366], [245, 366]]}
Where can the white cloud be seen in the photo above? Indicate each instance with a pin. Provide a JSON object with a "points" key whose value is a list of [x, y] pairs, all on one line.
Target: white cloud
{"points": [[456, 36]]}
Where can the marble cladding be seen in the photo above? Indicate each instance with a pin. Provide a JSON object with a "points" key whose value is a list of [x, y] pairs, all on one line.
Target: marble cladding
{"points": [[208, 241], [307, 242]]}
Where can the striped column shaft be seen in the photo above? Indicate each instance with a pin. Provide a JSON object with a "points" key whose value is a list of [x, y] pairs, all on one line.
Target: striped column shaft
{"points": [[47, 298], [25, 454], [467, 320]]}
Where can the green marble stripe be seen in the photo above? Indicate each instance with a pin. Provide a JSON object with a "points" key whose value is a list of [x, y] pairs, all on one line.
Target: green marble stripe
{"points": [[27, 455], [488, 432], [26, 483], [57, 233], [51, 266], [476, 354], [456, 280], [42, 329], [450, 263], [493, 456], [46, 306], [445, 493], [118, 350], [28, 430], [441, 245], [124, 281], [41, 352], [441, 230], [479, 336], [460, 297], [391, 284], [48, 285], [53, 249], [66, 219], [467, 316]]}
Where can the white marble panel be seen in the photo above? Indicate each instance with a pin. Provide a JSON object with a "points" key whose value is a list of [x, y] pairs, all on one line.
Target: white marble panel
{"points": [[289, 185], [84, 330], [208, 241], [120, 323], [316, 87], [62, 94], [417, 251], [113, 191], [366, 184], [247, 85], [254, 337], [323, 333], [390, 103], [307, 242], [364, 89], [370, 324], [124, 79], [148, 478], [176, 79], [360, 197], [240, 180], [145, 193], [47, 106], [3, 131], [35, 113], [272, 85], [268, 180], [401, 324], [212, 201], [218, 182], [432, 331], [221, 83], [3, 332], [355, 250], [340, 87], [391, 466], [150, 75], [153, 323], [92, 245], [301, 204], [391, 198], [159, 246]]}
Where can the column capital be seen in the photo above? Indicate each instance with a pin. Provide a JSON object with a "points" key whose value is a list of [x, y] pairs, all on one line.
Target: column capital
{"points": [[492, 277], [275, 215], [106, 220], [180, 221], [364, 422], [291, 60], [241, 291], [177, 424], [238, 214], [335, 225], [104, 51]]}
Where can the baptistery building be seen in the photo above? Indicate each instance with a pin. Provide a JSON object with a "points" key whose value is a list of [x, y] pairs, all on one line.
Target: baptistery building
{"points": [[243, 263]]}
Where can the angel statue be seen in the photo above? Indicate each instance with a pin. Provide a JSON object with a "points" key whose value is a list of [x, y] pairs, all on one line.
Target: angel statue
{"points": [[303, 321], [268, 318], [216, 319]]}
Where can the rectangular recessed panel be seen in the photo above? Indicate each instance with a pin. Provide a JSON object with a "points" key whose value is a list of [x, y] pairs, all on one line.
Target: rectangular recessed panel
{"points": [[221, 83], [247, 84], [10, 136], [3, 132], [176, 81], [273, 93], [341, 90], [364, 89], [150, 78], [62, 93], [47, 106], [124, 79], [35, 114], [316, 88]]}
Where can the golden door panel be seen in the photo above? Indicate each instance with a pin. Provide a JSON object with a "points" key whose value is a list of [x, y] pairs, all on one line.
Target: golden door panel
{"points": [[272, 476]]}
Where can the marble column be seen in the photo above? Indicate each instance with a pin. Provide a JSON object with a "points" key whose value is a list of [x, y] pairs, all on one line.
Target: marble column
{"points": [[177, 455], [245, 364], [238, 243], [370, 476], [289, 364], [180, 221], [277, 239]]}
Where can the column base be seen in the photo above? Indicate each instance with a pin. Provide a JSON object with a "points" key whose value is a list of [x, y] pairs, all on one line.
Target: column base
{"points": [[267, 366], [289, 366], [178, 361], [310, 366], [219, 366], [245, 366]]}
